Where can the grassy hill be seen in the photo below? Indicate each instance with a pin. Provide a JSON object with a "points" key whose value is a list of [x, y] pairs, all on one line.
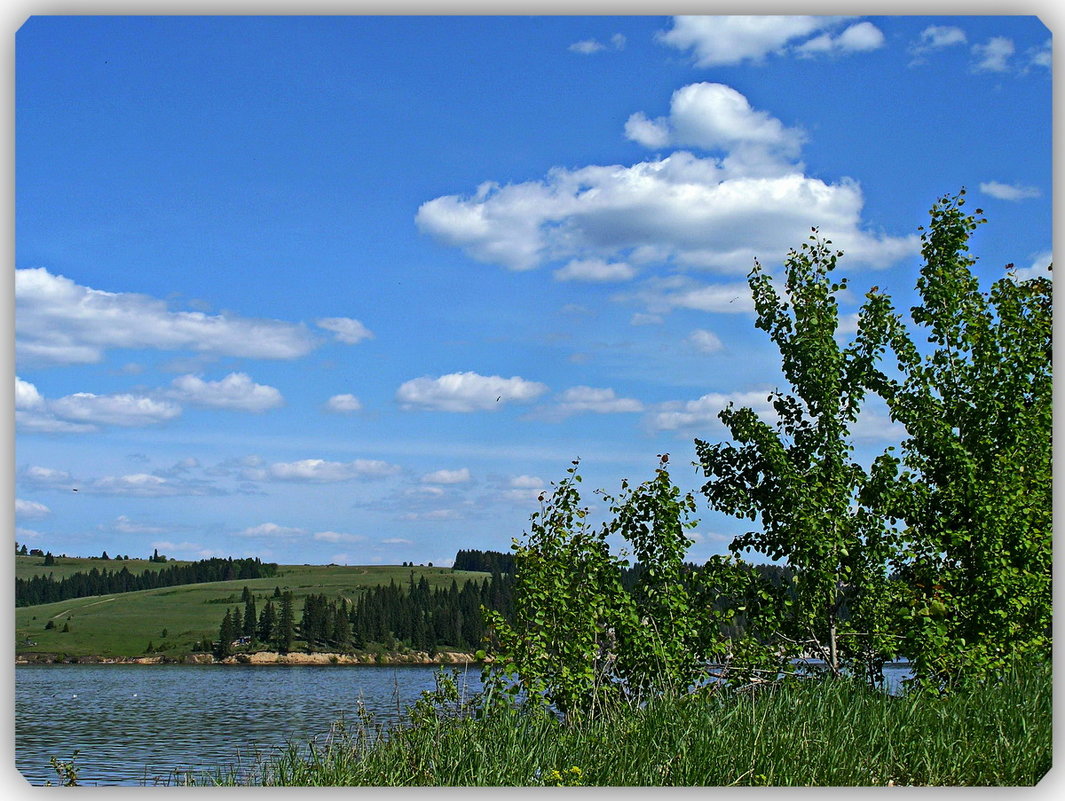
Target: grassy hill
{"points": [[123, 624]]}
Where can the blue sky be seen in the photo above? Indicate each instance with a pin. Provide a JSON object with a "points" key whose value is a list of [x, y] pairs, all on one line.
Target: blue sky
{"points": [[357, 289]]}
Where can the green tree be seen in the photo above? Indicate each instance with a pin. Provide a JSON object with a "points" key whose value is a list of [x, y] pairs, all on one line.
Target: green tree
{"points": [[285, 628], [568, 604], [974, 491], [796, 476], [250, 616], [226, 635]]}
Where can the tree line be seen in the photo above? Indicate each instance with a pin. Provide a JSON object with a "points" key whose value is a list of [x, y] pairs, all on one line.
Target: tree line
{"points": [[47, 589], [387, 617]]}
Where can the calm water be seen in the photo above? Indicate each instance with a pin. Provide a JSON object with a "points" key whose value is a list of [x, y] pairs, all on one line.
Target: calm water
{"points": [[137, 724], [134, 724]]}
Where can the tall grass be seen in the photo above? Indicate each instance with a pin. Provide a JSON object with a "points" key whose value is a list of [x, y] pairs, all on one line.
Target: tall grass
{"points": [[824, 733]]}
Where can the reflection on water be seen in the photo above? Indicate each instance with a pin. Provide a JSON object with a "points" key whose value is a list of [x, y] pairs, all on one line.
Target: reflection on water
{"points": [[136, 724]]}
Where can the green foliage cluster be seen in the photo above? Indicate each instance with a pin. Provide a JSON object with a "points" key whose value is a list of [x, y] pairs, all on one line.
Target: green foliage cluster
{"points": [[940, 553]]}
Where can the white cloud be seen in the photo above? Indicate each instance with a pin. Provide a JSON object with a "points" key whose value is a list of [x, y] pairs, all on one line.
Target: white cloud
{"points": [[271, 530], [595, 271], [703, 412], [140, 485], [117, 410], [322, 471], [26, 395], [343, 404], [1037, 269], [236, 391], [1040, 56], [126, 526], [1008, 191], [705, 341], [85, 411], [466, 392], [31, 510], [460, 476], [597, 400], [336, 536], [526, 482], [696, 212], [935, 37], [720, 40], [45, 476], [680, 292], [993, 55], [345, 329], [587, 47], [858, 38], [712, 116], [396, 541], [58, 321]]}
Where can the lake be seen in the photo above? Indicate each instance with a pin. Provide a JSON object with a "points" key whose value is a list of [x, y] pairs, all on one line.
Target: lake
{"points": [[135, 724], [138, 724]]}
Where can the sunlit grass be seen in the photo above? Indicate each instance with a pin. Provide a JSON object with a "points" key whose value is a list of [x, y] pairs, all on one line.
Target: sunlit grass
{"points": [[824, 733]]}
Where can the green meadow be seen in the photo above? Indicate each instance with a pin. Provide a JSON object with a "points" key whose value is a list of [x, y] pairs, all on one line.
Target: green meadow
{"points": [[124, 624]]}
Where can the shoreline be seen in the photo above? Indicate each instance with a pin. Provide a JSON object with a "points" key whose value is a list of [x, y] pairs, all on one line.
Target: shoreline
{"points": [[393, 659]]}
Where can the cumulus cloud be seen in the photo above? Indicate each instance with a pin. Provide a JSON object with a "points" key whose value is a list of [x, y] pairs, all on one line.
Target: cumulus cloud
{"points": [[858, 38], [734, 39], [595, 271], [323, 471], [144, 485], [38, 476], [124, 525], [594, 400], [117, 410], [1039, 268], [682, 205], [336, 536], [1008, 191], [466, 392], [993, 55], [1040, 56], [31, 510], [345, 329], [460, 476], [705, 341], [719, 40], [85, 411], [702, 413], [662, 295], [936, 37], [343, 404], [236, 391], [58, 321], [712, 116], [272, 530], [691, 211], [587, 47]]}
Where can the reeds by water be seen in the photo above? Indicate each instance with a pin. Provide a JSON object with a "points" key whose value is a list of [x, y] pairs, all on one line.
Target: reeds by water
{"points": [[824, 733]]}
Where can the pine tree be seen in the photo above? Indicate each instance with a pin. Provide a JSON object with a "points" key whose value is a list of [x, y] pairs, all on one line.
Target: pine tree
{"points": [[226, 635], [286, 624], [248, 629]]}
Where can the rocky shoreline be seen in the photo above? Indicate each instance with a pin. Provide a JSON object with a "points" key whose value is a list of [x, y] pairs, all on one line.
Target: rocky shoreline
{"points": [[456, 658]]}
